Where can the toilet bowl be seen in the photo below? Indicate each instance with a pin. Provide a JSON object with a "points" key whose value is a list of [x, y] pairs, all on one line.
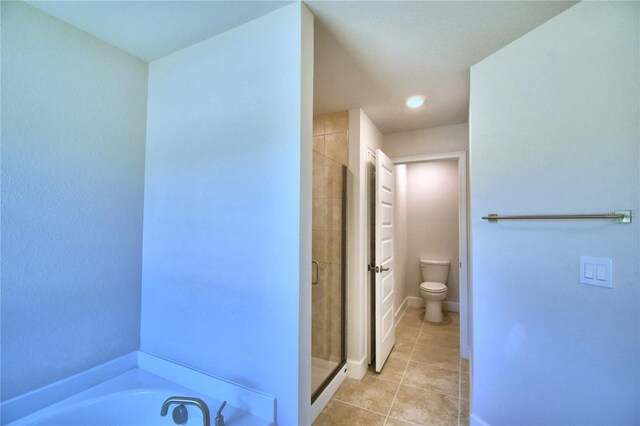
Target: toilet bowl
{"points": [[433, 289]]}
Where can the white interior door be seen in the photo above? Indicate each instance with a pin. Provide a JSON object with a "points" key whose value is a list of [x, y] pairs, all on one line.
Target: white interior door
{"points": [[384, 267], [370, 249]]}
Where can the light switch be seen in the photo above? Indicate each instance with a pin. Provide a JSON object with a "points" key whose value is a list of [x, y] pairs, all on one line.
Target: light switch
{"points": [[601, 273], [596, 271], [588, 270]]}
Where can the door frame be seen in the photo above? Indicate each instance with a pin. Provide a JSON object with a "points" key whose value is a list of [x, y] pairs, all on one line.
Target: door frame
{"points": [[463, 236], [370, 170]]}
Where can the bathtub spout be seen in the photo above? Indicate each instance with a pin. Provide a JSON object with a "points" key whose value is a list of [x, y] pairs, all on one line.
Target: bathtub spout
{"points": [[206, 418]]}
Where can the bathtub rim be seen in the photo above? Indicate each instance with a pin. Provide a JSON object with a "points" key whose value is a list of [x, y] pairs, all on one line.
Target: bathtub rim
{"points": [[254, 402]]}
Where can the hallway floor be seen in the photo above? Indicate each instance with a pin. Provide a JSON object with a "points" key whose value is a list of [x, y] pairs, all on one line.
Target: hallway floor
{"points": [[424, 381]]}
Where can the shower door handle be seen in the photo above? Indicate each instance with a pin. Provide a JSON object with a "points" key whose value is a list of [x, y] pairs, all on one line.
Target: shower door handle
{"points": [[317, 280]]}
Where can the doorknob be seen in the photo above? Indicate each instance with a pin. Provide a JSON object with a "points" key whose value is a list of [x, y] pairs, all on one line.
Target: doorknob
{"points": [[380, 269]]}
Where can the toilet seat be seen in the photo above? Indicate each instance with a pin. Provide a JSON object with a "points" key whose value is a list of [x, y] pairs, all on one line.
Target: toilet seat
{"points": [[432, 287]]}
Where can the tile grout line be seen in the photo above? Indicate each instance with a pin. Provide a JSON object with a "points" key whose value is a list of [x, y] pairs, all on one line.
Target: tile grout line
{"points": [[400, 383], [436, 366], [459, 370], [405, 369], [357, 406], [430, 391]]}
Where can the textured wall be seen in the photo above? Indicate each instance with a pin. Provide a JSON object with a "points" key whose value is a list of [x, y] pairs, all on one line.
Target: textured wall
{"points": [[555, 125], [222, 217], [73, 136]]}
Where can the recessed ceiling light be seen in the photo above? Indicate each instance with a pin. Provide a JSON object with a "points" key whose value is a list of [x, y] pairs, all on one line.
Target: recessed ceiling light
{"points": [[415, 101]]}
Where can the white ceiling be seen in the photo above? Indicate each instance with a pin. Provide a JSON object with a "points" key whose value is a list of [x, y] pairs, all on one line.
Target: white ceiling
{"points": [[151, 29], [374, 55], [370, 55]]}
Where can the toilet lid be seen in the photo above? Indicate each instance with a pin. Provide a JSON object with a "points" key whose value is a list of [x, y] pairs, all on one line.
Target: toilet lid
{"points": [[433, 287]]}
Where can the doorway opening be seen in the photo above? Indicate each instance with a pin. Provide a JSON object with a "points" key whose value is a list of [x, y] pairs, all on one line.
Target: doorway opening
{"points": [[444, 177], [459, 302]]}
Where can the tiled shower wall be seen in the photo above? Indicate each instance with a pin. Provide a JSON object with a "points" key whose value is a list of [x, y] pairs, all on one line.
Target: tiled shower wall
{"points": [[330, 146]]}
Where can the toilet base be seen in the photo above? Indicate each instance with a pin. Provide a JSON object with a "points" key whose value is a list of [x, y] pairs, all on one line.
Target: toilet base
{"points": [[433, 311]]}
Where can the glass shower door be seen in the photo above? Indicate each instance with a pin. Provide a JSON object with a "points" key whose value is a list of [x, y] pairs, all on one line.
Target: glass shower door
{"points": [[328, 271]]}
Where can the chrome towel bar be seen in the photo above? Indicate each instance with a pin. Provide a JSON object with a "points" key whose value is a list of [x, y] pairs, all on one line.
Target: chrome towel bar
{"points": [[620, 216]]}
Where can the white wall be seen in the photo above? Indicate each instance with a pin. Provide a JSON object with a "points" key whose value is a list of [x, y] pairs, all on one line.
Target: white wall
{"points": [[400, 239], [363, 136], [432, 223], [555, 126], [227, 244], [437, 140], [73, 137]]}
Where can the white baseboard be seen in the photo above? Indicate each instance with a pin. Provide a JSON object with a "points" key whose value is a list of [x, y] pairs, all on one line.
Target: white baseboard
{"points": [[326, 395], [475, 420], [451, 306], [415, 302], [465, 352], [418, 302], [357, 369], [401, 309]]}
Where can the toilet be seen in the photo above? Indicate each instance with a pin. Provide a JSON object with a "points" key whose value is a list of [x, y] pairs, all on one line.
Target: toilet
{"points": [[433, 289]]}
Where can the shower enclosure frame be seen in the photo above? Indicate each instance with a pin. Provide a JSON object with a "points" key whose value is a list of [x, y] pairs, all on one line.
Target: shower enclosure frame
{"points": [[315, 394]]}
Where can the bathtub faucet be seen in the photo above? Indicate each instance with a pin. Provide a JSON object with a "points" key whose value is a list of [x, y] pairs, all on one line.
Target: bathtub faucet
{"points": [[206, 418]]}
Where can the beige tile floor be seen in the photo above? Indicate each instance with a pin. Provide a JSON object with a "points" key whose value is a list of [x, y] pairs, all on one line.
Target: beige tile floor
{"points": [[423, 382]]}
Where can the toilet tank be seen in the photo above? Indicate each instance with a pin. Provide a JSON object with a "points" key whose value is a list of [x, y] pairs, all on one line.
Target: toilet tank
{"points": [[436, 271]]}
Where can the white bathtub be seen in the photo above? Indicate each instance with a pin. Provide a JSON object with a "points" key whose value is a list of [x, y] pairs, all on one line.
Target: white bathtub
{"points": [[135, 397]]}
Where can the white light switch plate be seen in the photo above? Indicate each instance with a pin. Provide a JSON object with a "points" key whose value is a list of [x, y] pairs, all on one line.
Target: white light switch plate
{"points": [[596, 271]]}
